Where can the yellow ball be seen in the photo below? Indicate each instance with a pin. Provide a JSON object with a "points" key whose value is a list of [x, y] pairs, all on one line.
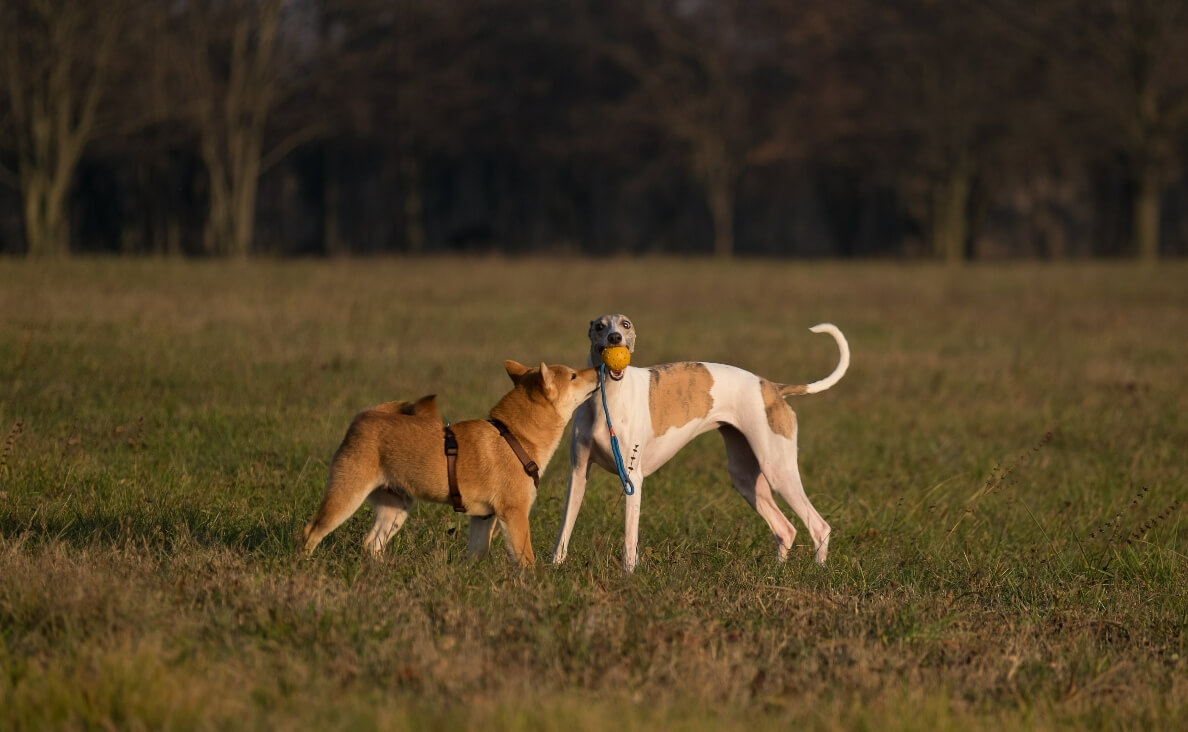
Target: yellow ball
{"points": [[616, 358]]}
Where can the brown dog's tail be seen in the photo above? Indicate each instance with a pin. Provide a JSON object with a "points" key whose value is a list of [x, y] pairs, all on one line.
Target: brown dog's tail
{"points": [[426, 407], [843, 363]]}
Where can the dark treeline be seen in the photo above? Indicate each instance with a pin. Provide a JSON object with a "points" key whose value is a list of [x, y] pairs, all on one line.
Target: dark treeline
{"points": [[945, 128]]}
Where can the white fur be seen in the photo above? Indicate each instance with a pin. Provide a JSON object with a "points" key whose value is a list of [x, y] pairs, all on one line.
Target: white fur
{"points": [[843, 360], [758, 460]]}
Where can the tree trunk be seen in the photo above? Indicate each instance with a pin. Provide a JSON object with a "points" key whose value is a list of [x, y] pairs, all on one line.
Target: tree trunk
{"points": [[950, 206], [717, 174], [173, 235], [1145, 227], [216, 233], [231, 220], [414, 208], [52, 99], [244, 196], [232, 114], [331, 197], [47, 227], [721, 206], [234, 184]]}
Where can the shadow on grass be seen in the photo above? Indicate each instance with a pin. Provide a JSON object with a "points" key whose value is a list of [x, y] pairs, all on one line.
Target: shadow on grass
{"points": [[183, 526]]}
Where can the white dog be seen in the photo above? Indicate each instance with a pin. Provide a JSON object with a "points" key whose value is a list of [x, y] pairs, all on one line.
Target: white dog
{"points": [[656, 411]]}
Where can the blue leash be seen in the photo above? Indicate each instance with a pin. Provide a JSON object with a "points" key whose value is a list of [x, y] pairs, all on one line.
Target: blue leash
{"points": [[628, 486]]}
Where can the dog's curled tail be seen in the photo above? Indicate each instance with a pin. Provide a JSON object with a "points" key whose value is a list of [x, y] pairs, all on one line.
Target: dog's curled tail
{"points": [[843, 363]]}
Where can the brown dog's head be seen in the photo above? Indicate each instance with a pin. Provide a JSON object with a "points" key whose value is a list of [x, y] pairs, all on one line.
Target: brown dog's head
{"points": [[607, 331], [562, 387]]}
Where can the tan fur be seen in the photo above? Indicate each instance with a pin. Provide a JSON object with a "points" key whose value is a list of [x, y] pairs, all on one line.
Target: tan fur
{"points": [[678, 393], [393, 453], [792, 389], [780, 417]]}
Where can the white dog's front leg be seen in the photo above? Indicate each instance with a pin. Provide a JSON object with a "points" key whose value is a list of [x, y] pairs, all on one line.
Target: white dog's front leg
{"points": [[579, 459], [631, 531], [573, 503]]}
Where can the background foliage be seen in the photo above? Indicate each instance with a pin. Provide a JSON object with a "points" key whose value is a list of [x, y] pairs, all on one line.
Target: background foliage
{"points": [[848, 128]]}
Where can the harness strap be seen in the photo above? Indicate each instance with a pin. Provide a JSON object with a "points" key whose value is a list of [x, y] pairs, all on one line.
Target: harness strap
{"points": [[530, 466], [451, 451]]}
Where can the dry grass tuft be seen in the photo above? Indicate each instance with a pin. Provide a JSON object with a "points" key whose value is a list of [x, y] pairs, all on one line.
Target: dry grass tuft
{"points": [[9, 440]]}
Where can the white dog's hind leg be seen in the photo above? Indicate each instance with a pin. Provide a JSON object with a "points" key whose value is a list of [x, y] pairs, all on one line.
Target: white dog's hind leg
{"points": [[784, 476], [781, 527], [744, 471], [818, 528]]}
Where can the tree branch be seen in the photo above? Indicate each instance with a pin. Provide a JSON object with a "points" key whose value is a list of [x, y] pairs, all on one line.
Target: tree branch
{"points": [[287, 145]]}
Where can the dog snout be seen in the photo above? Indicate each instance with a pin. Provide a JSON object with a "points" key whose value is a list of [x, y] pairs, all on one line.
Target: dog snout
{"points": [[614, 339]]}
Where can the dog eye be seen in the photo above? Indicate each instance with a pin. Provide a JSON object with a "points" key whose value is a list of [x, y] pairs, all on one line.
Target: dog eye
{"points": [[573, 377], [600, 326], [626, 325]]}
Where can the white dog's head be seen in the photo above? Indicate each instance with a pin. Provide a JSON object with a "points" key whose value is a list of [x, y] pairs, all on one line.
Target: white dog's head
{"points": [[607, 331]]}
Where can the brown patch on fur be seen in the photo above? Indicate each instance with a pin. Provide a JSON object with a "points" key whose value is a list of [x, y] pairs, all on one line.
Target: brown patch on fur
{"points": [[780, 417], [678, 394]]}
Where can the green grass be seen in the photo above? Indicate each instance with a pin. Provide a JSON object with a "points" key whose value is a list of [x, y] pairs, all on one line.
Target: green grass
{"points": [[1003, 466]]}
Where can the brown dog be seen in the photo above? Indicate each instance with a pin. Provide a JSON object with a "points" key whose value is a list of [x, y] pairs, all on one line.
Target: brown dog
{"points": [[393, 453]]}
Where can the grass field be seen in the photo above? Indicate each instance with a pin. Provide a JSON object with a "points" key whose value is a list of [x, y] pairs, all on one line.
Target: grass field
{"points": [[1004, 469]]}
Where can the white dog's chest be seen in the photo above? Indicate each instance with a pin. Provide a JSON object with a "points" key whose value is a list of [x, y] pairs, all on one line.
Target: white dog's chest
{"points": [[642, 450], [627, 420]]}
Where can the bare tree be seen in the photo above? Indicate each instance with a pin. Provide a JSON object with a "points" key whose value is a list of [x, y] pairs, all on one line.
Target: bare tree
{"points": [[241, 63], [1129, 67], [941, 89], [416, 76], [56, 59], [1118, 75], [690, 67]]}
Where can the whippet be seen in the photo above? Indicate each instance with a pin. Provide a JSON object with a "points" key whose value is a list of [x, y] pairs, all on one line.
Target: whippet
{"points": [[394, 453], [656, 411]]}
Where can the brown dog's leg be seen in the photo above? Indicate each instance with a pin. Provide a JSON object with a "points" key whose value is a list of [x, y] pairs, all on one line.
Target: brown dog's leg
{"points": [[345, 491], [478, 540], [518, 536], [391, 510]]}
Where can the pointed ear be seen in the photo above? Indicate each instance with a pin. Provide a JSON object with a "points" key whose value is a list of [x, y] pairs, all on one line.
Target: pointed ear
{"points": [[547, 382], [515, 370]]}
